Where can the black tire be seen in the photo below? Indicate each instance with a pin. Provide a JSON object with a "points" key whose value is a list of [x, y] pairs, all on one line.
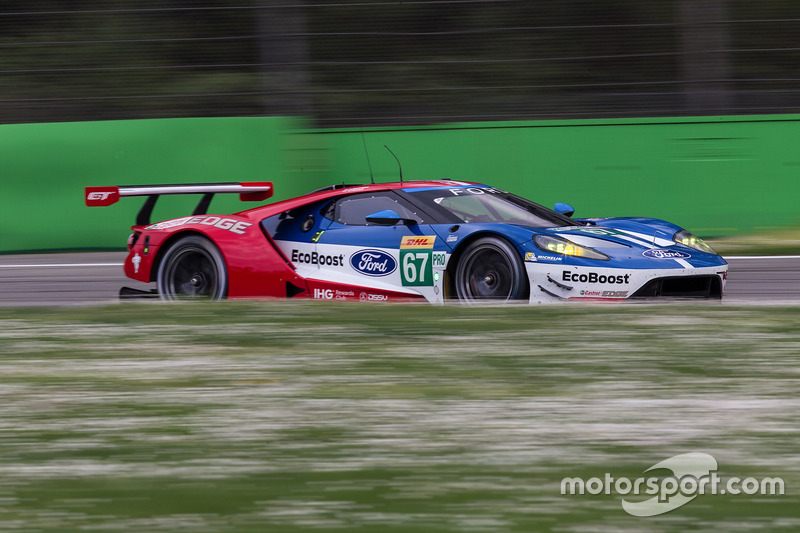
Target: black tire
{"points": [[490, 269], [192, 268]]}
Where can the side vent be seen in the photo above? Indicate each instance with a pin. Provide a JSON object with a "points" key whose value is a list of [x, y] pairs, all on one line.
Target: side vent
{"points": [[293, 290]]}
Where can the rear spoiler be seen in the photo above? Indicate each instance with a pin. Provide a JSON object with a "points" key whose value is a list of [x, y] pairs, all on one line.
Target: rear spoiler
{"points": [[248, 191]]}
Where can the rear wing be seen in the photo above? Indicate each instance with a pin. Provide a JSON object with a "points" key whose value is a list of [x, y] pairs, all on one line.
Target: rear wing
{"points": [[248, 191]]}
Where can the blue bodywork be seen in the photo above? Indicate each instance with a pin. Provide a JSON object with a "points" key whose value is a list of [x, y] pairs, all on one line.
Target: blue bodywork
{"points": [[624, 240]]}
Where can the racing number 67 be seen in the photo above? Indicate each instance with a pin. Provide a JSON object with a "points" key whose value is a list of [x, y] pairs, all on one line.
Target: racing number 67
{"points": [[416, 268]]}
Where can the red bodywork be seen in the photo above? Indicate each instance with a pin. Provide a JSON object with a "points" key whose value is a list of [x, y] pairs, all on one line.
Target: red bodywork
{"points": [[256, 267]]}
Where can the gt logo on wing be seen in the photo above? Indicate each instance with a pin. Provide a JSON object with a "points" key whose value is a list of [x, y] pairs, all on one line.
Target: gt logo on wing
{"points": [[98, 195]]}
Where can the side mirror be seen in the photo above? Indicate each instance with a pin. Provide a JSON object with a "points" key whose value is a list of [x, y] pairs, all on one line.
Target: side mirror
{"points": [[387, 217], [564, 209]]}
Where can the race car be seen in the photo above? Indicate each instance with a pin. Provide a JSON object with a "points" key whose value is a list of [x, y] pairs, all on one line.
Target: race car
{"points": [[433, 240]]}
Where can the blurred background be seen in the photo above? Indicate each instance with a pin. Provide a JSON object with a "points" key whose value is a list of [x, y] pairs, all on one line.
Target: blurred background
{"points": [[685, 110], [377, 63]]}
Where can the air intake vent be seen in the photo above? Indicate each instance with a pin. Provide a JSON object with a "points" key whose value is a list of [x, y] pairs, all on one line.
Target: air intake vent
{"points": [[681, 287]]}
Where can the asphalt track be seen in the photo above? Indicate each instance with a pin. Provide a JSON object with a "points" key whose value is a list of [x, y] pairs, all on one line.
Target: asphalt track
{"points": [[95, 278]]}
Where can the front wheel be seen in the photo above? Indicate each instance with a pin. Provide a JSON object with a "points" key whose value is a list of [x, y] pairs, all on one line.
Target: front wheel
{"points": [[490, 269], [192, 268]]}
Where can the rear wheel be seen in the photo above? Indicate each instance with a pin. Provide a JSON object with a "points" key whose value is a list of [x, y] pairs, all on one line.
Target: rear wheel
{"points": [[490, 269], [192, 268]]}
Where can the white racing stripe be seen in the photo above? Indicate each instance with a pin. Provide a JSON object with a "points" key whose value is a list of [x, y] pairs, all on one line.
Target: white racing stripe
{"points": [[684, 263], [635, 240], [651, 240]]}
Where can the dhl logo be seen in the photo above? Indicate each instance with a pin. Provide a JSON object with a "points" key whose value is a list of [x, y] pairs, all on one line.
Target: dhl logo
{"points": [[425, 241]]}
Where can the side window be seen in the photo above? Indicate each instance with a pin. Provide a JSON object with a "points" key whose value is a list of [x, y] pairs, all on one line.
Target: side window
{"points": [[292, 224], [470, 208], [353, 210]]}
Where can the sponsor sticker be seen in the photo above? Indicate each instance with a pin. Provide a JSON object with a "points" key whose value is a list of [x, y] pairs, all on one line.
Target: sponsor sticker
{"points": [[315, 258], [416, 260], [594, 277], [373, 262], [169, 223], [606, 294], [413, 241], [659, 253], [333, 294], [615, 294], [475, 190], [531, 257], [372, 297], [234, 226]]}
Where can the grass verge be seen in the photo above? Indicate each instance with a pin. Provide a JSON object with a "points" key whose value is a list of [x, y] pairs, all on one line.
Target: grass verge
{"points": [[307, 416]]}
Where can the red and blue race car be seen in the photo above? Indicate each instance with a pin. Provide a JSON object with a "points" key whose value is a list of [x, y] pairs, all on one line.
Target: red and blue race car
{"points": [[432, 240]]}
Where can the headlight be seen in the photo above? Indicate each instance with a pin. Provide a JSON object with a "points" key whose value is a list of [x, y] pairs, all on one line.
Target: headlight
{"points": [[557, 245], [687, 239]]}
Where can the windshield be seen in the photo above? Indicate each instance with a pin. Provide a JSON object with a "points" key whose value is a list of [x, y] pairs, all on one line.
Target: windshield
{"points": [[487, 204]]}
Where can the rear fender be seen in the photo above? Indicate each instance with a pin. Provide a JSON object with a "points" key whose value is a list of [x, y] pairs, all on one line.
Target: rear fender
{"points": [[255, 266]]}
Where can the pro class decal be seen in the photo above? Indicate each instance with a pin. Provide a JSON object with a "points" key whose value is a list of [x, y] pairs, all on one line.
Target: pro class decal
{"points": [[373, 262], [658, 253], [416, 265]]}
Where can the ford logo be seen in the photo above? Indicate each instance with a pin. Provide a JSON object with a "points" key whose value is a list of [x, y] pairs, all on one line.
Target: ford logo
{"points": [[657, 253], [373, 262]]}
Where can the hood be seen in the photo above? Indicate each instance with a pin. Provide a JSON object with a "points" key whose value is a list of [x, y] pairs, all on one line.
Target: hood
{"points": [[640, 242]]}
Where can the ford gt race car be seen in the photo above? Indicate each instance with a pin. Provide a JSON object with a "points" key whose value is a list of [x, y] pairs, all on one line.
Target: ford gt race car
{"points": [[432, 240]]}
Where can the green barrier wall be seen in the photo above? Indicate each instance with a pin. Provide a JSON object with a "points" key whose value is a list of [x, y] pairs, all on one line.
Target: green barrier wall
{"points": [[719, 176], [46, 166]]}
